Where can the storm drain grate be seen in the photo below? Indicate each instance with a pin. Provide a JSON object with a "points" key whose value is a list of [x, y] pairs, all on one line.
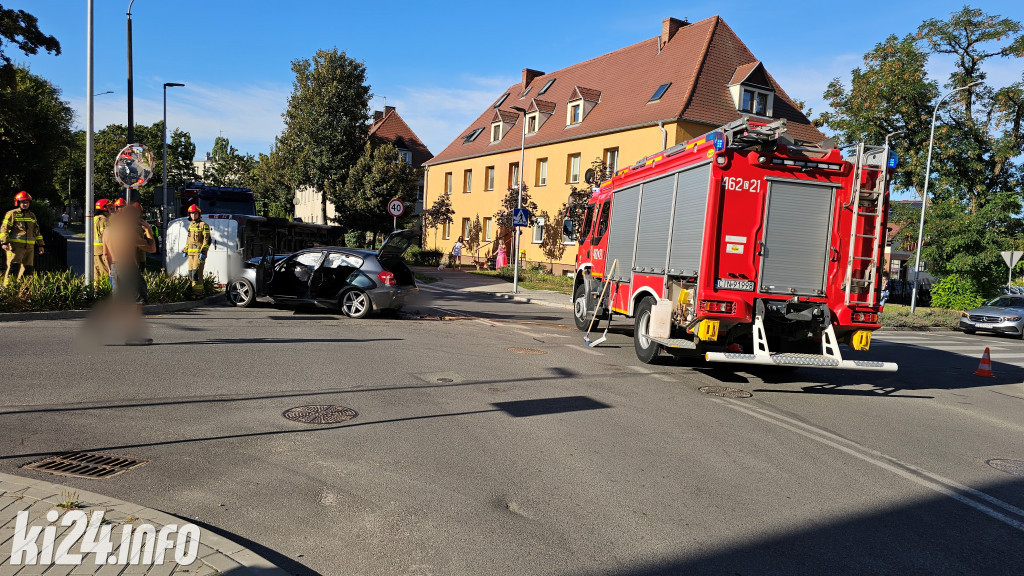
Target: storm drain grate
{"points": [[533, 351], [1010, 466], [724, 392], [320, 414], [86, 464]]}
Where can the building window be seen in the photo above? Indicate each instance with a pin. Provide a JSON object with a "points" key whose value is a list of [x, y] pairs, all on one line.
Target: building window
{"points": [[575, 113], [531, 123], [496, 132], [488, 229], [489, 183], [513, 174], [467, 181], [419, 193], [611, 160], [573, 170], [659, 92], [472, 135], [406, 156], [448, 182], [446, 231], [542, 172], [465, 228], [546, 86], [538, 231], [754, 102], [501, 100]]}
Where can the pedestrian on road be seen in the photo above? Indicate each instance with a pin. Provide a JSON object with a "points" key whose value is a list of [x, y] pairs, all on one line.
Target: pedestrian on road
{"points": [[65, 220], [20, 237], [457, 252], [100, 265], [121, 239], [885, 289], [196, 246]]}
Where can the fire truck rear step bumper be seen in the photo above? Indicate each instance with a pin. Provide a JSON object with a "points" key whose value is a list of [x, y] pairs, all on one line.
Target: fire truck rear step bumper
{"points": [[681, 343], [808, 360]]}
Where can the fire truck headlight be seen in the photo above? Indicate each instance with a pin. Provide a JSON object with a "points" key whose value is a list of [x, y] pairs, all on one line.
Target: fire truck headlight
{"points": [[721, 160]]}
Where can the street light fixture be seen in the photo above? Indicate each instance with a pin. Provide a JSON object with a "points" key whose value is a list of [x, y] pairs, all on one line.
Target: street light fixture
{"points": [[924, 195], [165, 209], [519, 203]]}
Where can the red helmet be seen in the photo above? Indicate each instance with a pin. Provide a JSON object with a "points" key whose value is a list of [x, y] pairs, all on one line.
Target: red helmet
{"points": [[194, 208], [103, 204], [22, 196], [120, 203], [137, 206]]}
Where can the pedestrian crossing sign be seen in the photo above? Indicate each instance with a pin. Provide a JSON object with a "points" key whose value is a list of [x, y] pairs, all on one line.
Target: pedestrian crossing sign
{"points": [[520, 217]]}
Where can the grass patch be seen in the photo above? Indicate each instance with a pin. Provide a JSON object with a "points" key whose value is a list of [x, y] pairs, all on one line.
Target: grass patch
{"points": [[69, 500], [69, 291], [899, 316], [425, 279], [532, 279]]}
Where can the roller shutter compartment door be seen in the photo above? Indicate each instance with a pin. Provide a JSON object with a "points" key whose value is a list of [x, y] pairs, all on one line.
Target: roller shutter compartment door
{"points": [[798, 227]]}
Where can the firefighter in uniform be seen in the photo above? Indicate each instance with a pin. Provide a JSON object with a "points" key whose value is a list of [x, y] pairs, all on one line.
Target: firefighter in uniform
{"points": [[196, 247], [99, 224], [20, 237]]}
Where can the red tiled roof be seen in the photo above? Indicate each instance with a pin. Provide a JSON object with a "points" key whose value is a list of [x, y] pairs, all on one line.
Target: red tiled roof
{"points": [[699, 60], [507, 116], [588, 94], [391, 128], [742, 72], [542, 106]]}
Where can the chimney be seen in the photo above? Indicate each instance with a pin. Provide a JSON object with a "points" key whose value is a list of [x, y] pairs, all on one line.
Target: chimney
{"points": [[377, 116], [529, 75], [669, 26], [388, 109]]}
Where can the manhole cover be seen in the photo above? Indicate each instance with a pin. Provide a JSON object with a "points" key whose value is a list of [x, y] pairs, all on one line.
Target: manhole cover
{"points": [[86, 464], [320, 414], [1015, 467], [724, 392], [533, 351]]}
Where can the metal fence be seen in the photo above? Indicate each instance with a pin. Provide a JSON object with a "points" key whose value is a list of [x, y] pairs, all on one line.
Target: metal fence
{"points": [[53, 259]]}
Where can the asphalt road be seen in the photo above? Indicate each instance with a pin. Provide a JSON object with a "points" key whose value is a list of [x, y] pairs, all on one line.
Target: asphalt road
{"points": [[495, 442]]}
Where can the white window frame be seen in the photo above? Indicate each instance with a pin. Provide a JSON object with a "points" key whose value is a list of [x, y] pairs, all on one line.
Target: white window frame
{"points": [[533, 117], [466, 224], [542, 172], [488, 229], [407, 156], [448, 177], [570, 119], [574, 168], [496, 129], [467, 181], [446, 231], [754, 94], [609, 152], [514, 173], [489, 178], [538, 227]]}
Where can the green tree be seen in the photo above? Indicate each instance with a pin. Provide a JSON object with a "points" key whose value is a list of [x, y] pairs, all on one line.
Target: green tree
{"points": [[378, 176], [439, 214], [181, 153], [227, 166], [552, 244], [269, 182], [472, 240], [35, 133], [21, 29], [326, 123], [108, 142], [974, 188], [510, 202], [575, 207]]}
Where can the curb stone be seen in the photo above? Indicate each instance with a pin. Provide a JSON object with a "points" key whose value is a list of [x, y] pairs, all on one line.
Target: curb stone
{"points": [[217, 553], [148, 309]]}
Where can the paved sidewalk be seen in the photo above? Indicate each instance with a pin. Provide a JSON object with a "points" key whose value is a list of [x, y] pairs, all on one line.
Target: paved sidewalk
{"points": [[216, 555], [456, 280]]}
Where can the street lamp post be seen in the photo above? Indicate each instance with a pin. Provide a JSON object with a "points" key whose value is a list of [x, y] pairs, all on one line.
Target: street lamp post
{"points": [[924, 195], [131, 94], [163, 234], [519, 203], [89, 143]]}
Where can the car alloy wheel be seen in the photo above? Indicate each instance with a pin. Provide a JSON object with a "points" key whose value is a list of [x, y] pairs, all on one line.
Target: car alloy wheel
{"points": [[355, 304], [241, 293]]}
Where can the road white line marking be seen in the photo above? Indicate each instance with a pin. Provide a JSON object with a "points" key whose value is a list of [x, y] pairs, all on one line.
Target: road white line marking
{"points": [[555, 335], [972, 349], [584, 349], [486, 322], [639, 369], [524, 332], [886, 462]]}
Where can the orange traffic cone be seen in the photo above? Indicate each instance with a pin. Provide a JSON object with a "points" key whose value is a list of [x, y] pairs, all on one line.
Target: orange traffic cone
{"points": [[985, 368]]}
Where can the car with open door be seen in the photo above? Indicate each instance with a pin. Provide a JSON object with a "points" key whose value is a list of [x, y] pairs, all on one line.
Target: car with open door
{"points": [[356, 282]]}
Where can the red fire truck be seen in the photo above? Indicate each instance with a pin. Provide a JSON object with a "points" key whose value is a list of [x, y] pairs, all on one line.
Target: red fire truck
{"points": [[743, 244]]}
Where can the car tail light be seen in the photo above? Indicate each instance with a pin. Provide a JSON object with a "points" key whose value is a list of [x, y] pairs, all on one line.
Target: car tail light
{"points": [[717, 306], [387, 278], [867, 317]]}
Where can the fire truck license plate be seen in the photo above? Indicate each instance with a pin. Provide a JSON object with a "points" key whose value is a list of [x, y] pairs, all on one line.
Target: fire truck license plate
{"points": [[730, 284]]}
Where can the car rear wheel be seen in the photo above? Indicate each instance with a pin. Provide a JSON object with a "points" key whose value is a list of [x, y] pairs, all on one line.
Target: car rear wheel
{"points": [[646, 349], [355, 303], [241, 293]]}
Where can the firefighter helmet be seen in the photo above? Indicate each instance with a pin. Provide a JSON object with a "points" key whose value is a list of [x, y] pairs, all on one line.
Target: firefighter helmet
{"points": [[137, 205], [119, 203], [194, 208], [103, 204], [22, 197]]}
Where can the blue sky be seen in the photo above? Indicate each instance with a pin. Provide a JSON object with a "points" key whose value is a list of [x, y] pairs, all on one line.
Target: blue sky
{"points": [[439, 63]]}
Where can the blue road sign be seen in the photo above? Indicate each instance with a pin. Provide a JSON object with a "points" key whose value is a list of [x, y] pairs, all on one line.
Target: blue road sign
{"points": [[520, 217]]}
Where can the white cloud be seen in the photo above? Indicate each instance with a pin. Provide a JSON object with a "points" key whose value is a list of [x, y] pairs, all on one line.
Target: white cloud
{"points": [[249, 116]]}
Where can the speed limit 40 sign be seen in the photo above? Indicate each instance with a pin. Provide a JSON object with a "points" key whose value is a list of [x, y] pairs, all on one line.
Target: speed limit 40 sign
{"points": [[396, 207]]}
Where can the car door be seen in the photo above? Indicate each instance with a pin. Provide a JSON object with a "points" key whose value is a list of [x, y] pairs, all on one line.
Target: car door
{"points": [[293, 275], [333, 275]]}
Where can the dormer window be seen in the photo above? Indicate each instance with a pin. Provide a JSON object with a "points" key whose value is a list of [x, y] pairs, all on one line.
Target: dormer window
{"points": [[496, 132], [531, 122], [581, 102], [537, 113], [752, 90], [501, 122]]}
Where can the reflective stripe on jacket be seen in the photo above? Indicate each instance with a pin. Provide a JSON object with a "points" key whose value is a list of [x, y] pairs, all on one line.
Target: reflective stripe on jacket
{"points": [[198, 238], [20, 227], [99, 224]]}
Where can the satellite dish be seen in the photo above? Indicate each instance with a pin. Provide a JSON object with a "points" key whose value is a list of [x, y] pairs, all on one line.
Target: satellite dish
{"points": [[589, 176]]}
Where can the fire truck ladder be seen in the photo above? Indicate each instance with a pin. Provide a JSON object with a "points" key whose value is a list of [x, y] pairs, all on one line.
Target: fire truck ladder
{"points": [[740, 135], [867, 203]]}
